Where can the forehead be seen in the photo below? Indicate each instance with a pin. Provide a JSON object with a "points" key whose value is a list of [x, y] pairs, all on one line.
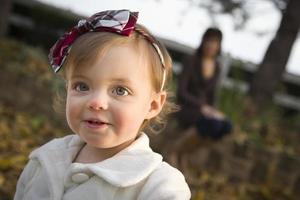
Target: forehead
{"points": [[122, 62], [212, 39]]}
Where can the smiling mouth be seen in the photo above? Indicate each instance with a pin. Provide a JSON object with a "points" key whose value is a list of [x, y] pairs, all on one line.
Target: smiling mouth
{"points": [[95, 123]]}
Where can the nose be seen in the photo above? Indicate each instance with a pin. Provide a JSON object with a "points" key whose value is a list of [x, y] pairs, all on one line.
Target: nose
{"points": [[98, 101]]}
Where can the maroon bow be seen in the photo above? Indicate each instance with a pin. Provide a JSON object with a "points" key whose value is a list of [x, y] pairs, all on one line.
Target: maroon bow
{"points": [[116, 21]]}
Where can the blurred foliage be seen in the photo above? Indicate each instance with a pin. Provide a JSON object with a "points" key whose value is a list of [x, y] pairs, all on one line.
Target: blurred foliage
{"points": [[20, 133], [21, 130], [270, 128], [24, 60]]}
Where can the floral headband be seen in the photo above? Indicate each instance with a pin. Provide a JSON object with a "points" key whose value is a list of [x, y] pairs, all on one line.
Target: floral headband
{"points": [[116, 21]]}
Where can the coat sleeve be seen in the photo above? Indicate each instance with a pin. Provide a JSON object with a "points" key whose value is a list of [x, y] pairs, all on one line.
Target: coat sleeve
{"points": [[26, 176], [165, 183]]}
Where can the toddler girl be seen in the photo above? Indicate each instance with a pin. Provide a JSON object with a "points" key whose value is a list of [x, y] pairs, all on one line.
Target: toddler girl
{"points": [[116, 74]]}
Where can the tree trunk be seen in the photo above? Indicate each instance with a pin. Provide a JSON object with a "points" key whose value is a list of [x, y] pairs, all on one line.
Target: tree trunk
{"points": [[270, 71], [4, 16]]}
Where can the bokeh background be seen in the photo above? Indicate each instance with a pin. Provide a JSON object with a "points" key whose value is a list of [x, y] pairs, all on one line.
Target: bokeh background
{"points": [[260, 88]]}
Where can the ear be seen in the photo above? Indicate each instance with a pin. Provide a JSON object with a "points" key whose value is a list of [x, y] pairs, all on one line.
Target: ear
{"points": [[157, 104]]}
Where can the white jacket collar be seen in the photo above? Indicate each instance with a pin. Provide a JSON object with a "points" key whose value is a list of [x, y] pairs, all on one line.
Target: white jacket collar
{"points": [[126, 168]]}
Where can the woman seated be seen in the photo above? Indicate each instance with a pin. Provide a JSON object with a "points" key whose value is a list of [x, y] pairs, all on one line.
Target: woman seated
{"points": [[197, 90]]}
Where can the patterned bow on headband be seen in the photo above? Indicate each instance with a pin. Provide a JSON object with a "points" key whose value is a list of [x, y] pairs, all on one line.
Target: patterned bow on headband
{"points": [[116, 21]]}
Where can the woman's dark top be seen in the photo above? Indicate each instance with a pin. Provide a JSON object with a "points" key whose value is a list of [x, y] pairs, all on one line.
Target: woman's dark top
{"points": [[195, 91]]}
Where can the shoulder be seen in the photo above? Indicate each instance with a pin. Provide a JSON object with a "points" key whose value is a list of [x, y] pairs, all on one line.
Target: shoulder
{"points": [[166, 183], [30, 170], [188, 63], [188, 59], [25, 180], [45, 150], [58, 144]]}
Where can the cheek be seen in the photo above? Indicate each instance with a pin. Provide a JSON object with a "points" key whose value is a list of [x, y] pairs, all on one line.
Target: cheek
{"points": [[130, 117], [72, 110], [68, 111], [214, 47]]}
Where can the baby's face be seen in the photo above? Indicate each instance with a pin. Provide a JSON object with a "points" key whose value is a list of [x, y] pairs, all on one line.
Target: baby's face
{"points": [[108, 101]]}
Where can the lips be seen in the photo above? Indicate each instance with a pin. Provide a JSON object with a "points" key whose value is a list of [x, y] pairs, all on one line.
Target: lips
{"points": [[95, 123]]}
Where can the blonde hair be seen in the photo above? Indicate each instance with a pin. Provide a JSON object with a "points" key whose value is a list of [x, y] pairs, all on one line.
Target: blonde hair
{"points": [[87, 48]]}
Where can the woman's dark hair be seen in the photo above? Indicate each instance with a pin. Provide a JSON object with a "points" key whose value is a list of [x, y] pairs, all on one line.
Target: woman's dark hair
{"points": [[210, 33]]}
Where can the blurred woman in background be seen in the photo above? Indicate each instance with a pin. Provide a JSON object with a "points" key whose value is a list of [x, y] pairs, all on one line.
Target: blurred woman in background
{"points": [[197, 89]]}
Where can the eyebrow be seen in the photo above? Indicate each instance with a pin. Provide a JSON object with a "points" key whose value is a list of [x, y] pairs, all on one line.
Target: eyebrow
{"points": [[121, 80], [115, 80], [79, 76]]}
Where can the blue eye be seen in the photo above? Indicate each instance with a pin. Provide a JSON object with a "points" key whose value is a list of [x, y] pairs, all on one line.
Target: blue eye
{"points": [[121, 91], [81, 87]]}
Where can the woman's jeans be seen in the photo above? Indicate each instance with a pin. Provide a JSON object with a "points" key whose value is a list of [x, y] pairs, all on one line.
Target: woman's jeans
{"points": [[213, 128]]}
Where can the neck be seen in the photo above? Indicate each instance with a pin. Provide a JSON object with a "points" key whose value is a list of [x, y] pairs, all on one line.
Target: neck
{"points": [[91, 154]]}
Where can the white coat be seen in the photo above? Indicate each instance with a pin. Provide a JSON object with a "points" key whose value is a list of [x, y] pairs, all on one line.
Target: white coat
{"points": [[136, 172]]}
